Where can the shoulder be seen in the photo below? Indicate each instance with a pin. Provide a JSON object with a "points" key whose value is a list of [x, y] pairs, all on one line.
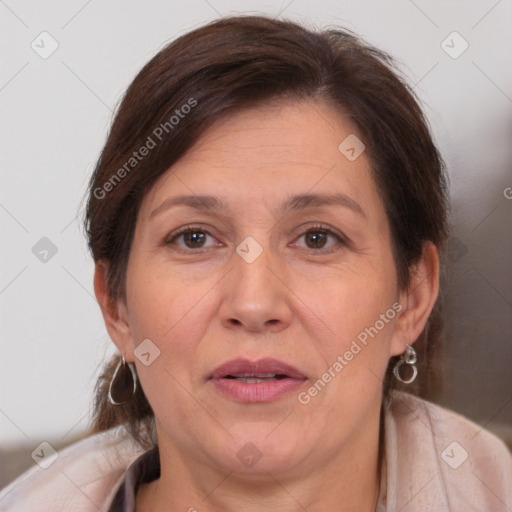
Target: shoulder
{"points": [[439, 424], [84, 476], [456, 464]]}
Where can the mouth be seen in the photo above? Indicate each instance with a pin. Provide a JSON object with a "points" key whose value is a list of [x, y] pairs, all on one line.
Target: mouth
{"points": [[256, 381], [257, 377]]}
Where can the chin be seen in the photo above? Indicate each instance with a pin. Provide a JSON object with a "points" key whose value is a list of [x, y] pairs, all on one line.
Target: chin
{"points": [[255, 449]]}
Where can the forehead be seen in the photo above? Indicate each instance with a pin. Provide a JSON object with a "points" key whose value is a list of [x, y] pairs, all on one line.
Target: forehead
{"points": [[264, 153]]}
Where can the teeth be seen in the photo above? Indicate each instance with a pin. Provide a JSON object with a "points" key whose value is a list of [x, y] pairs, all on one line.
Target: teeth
{"points": [[253, 380], [256, 375]]}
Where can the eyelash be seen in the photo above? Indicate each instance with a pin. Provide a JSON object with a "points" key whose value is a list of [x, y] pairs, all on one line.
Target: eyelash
{"points": [[171, 238]]}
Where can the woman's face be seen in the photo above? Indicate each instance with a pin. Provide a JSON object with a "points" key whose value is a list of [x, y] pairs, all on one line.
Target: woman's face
{"points": [[289, 259]]}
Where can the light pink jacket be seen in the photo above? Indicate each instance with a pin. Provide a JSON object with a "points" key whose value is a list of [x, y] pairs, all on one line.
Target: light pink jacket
{"points": [[436, 461]]}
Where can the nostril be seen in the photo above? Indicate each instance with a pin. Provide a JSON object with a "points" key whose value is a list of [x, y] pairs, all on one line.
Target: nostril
{"points": [[255, 326]]}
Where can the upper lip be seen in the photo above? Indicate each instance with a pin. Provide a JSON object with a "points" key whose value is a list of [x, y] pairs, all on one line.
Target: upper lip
{"points": [[244, 368]]}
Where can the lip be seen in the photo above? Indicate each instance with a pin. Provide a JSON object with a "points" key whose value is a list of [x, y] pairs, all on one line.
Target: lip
{"points": [[260, 391]]}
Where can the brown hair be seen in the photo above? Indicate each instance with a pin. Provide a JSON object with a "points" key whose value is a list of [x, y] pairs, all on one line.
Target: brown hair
{"points": [[236, 63]]}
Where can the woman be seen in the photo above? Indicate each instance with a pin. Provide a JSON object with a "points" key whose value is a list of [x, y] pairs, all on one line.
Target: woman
{"points": [[266, 219]]}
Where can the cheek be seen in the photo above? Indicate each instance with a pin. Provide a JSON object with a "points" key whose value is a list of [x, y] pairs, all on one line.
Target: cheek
{"points": [[159, 301], [360, 318], [357, 322], [168, 314], [348, 302], [174, 315]]}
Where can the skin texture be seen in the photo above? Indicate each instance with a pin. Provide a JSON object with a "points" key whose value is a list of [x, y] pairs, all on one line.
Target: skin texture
{"points": [[302, 301]]}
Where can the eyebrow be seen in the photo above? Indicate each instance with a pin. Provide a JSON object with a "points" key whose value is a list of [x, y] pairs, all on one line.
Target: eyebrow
{"points": [[294, 203], [304, 201]]}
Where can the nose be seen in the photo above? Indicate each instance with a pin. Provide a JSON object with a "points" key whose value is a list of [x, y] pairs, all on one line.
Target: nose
{"points": [[255, 297]]}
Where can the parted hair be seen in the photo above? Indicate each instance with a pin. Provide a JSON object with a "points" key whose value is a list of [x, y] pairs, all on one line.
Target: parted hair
{"points": [[240, 62]]}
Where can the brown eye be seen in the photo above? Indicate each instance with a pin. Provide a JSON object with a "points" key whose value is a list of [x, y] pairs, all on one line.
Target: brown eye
{"points": [[190, 238], [320, 239], [194, 239], [316, 239]]}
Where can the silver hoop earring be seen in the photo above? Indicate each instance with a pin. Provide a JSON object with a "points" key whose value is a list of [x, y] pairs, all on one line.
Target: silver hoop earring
{"points": [[123, 384], [409, 358]]}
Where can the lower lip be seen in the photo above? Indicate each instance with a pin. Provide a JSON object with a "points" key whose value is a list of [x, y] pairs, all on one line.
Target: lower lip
{"points": [[258, 391]]}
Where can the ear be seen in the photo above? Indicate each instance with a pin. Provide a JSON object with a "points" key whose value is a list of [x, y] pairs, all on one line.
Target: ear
{"points": [[114, 311], [417, 301]]}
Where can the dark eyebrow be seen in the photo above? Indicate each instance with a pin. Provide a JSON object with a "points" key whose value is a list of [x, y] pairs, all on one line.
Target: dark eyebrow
{"points": [[304, 201], [293, 203], [197, 202]]}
